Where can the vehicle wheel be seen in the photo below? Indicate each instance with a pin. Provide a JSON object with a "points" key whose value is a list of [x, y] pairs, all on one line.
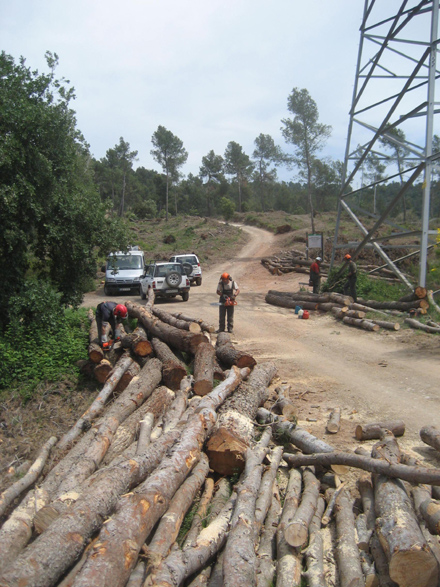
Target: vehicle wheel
{"points": [[107, 291], [173, 279], [142, 294], [187, 268], [185, 296], [199, 281]]}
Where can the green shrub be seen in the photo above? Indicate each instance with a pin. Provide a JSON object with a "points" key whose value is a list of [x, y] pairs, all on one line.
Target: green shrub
{"points": [[43, 341]]}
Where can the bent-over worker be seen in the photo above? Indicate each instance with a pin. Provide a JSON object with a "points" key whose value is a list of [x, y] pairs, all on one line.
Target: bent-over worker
{"points": [[113, 314], [228, 290], [350, 284]]}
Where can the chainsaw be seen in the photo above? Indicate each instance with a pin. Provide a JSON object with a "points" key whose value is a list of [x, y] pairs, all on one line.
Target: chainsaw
{"points": [[230, 302]]}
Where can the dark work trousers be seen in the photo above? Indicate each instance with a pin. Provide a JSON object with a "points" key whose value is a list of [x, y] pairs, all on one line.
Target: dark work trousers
{"points": [[350, 287], [223, 312], [104, 316], [315, 279]]}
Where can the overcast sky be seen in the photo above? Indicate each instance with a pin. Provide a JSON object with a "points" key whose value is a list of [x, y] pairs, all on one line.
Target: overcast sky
{"points": [[210, 71]]}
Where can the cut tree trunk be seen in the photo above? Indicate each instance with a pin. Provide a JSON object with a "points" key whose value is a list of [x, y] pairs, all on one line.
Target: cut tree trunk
{"points": [[381, 562], [374, 430], [201, 514], [239, 564], [8, 496], [402, 306], [204, 361], [365, 486], [174, 337], [426, 475], [170, 524], [138, 342], [386, 324], [265, 494], [266, 547], [145, 429], [347, 552], [334, 421], [333, 307], [95, 352], [289, 559], [98, 405], [203, 325], [315, 551], [364, 324], [228, 355], [296, 532], [157, 404], [430, 435], [174, 370], [234, 430], [286, 302], [340, 313], [102, 370], [132, 372], [178, 323], [420, 326], [283, 406], [301, 295]]}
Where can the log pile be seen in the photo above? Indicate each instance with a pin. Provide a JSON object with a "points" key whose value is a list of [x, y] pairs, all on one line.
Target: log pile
{"points": [[289, 261], [363, 313], [108, 507]]}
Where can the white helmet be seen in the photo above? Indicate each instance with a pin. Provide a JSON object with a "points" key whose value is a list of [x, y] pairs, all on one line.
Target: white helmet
{"points": [[318, 259]]}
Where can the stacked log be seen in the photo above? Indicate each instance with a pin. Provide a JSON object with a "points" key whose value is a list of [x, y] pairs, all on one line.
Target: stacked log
{"points": [[287, 262]]}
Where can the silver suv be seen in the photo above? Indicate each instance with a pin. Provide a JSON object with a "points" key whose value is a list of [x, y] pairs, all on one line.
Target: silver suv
{"points": [[167, 280], [191, 265]]}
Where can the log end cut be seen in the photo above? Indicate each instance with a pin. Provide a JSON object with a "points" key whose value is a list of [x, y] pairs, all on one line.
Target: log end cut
{"points": [[415, 568], [226, 453]]}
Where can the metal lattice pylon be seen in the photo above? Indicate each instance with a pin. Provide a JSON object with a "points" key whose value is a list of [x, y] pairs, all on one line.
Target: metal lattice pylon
{"points": [[393, 105]]}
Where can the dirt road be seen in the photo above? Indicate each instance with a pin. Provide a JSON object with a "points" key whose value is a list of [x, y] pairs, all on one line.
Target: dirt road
{"points": [[371, 376]]}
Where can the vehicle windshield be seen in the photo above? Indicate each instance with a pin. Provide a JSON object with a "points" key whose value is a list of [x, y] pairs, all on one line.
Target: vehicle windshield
{"points": [[122, 262], [191, 259]]}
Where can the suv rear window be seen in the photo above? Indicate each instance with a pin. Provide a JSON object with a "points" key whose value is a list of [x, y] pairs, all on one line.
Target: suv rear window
{"points": [[163, 270], [191, 259]]}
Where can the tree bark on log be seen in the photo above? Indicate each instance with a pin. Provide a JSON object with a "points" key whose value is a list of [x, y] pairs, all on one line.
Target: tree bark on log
{"points": [[228, 355], [68, 535], [432, 301], [331, 496], [365, 486], [363, 533], [233, 432], [174, 337], [347, 553], [341, 299], [98, 405], [137, 577], [375, 430], [174, 414], [181, 564], [138, 342], [102, 370], [364, 324], [340, 313], [386, 324], [381, 562], [297, 531], [137, 513], [431, 436], [402, 306], [426, 475], [283, 405], [420, 326], [134, 396], [145, 429], [239, 564], [265, 494], [203, 325], [127, 377], [170, 524], [8, 496], [334, 421], [204, 368], [286, 302], [157, 404], [301, 295], [177, 322], [288, 558], [266, 554], [201, 514], [95, 352], [315, 551], [174, 370]]}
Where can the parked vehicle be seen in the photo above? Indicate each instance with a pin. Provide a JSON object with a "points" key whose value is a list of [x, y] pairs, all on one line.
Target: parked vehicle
{"points": [[168, 280], [123, 271], [190, 261]]}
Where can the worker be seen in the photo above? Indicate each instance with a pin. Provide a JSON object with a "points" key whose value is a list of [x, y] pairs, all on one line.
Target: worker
{"points": [[315, 275], [113, 314], [350, 284], [228, 290]]}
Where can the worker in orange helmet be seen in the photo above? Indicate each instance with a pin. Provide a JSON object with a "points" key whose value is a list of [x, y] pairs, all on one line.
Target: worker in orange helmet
{"points": [[109, 313], [350, 284], [228, 290]]}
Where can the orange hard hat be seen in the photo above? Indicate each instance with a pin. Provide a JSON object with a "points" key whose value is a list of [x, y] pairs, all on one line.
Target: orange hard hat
{"points": [[225, 275], [347, 256]]}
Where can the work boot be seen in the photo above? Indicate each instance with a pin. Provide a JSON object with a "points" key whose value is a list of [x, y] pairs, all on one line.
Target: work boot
{"points": [[230, 331], [219, 330]]}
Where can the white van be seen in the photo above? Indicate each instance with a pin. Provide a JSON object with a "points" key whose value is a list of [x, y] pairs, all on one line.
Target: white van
{"points": [[123, 271]]}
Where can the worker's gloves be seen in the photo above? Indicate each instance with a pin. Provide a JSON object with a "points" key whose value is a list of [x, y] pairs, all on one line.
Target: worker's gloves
{"points": [[117, 334]]}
